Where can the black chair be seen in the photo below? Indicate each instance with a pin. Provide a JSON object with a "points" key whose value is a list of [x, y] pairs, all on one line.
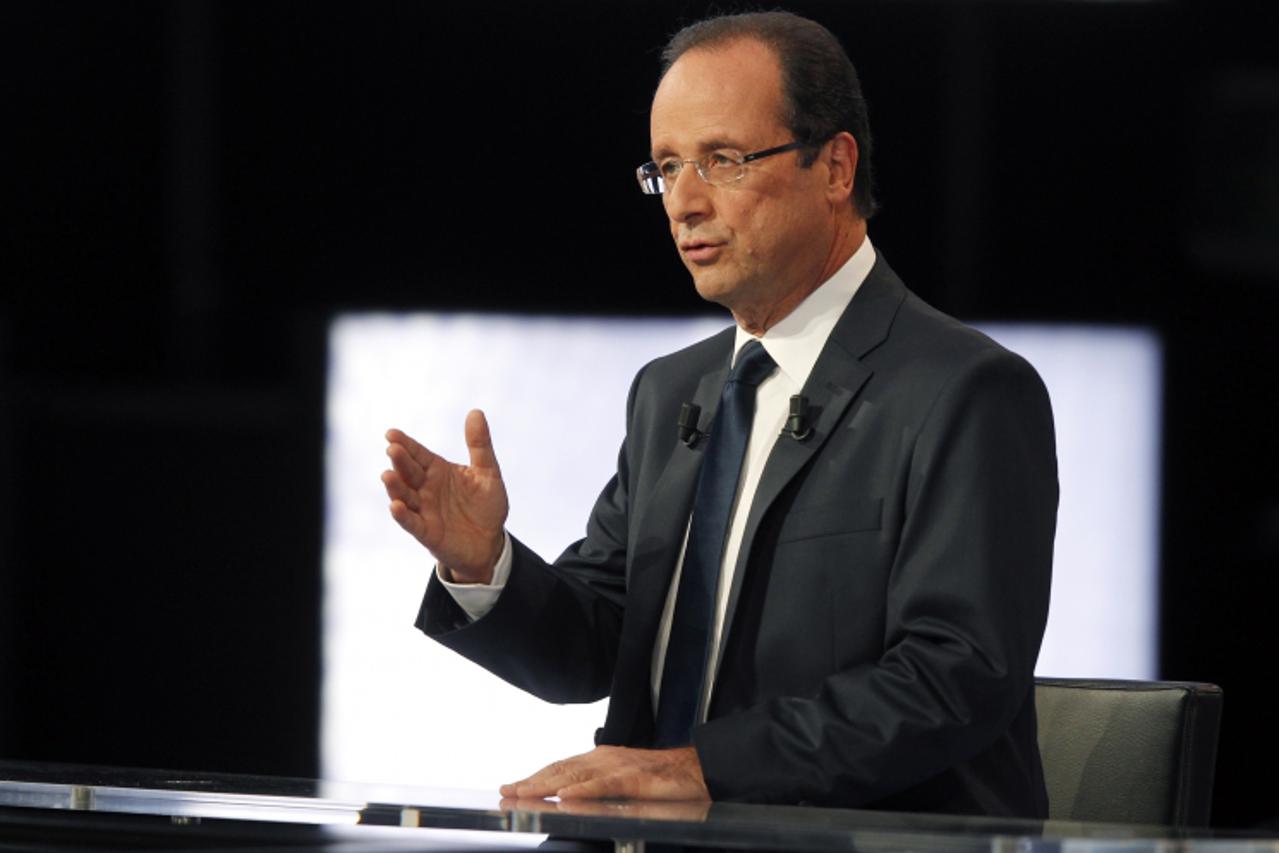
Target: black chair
{"points": [[1128, 751]]}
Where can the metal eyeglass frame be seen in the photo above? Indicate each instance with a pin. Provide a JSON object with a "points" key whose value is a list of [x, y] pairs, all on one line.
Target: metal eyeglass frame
{"points": [[653, 182]]}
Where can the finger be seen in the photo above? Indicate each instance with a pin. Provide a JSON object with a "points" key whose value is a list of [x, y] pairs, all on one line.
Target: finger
{"points": [[532, 787], [512, 789], [479, 442], [545, 782], [624, 784], [411, 522], [416, 451], [528, 804], [398, 490], [413, 474]]}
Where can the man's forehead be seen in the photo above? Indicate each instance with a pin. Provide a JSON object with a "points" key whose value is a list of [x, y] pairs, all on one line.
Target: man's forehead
{"points": [[722, 96]]}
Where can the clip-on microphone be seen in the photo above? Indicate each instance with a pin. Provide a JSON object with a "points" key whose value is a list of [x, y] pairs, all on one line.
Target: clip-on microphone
{"points": [[688, 431], [797, 426]]}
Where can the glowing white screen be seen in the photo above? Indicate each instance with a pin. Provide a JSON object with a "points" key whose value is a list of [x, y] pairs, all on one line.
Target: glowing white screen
{"points": [[399, 708]]}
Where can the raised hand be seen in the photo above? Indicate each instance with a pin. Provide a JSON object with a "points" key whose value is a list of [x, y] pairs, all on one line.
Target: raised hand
{"points": [[456, 511]]}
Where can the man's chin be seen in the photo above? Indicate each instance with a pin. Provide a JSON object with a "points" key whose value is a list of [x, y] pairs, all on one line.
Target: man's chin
{"points": [[710, 288]]}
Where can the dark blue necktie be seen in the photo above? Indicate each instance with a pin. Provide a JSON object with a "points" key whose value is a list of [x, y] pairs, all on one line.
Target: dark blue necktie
{"points": [[689, 643]]}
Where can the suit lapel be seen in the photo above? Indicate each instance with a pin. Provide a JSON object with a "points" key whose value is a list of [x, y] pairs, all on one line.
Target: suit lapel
{"points": [[837, 377], [669, 506]]}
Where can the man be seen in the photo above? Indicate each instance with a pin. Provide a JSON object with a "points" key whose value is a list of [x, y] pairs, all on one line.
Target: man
{"points": [[841, 608]]}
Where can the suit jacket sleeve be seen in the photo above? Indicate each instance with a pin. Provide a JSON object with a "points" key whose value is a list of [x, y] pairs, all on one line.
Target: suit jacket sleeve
{"points": [[967, 594]]}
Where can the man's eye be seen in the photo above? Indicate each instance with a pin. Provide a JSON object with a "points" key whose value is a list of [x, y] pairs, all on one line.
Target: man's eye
{"points": [[722, 159], [669, 169]]}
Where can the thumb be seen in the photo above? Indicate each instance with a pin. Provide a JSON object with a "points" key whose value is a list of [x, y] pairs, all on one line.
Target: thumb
{"points": [[479, 443]]}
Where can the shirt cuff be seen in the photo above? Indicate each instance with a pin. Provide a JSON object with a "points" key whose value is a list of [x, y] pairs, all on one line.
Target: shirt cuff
{"points": [[477, 599]]}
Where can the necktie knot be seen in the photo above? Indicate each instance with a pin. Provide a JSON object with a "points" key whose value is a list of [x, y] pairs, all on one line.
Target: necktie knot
{"points": [[753, 366]]}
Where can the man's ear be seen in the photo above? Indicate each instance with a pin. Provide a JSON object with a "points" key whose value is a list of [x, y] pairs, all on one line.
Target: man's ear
{"points": [[841, 158]]}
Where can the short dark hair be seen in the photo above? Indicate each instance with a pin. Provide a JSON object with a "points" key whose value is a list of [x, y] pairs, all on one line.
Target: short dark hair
{"points": [[821, 92]]}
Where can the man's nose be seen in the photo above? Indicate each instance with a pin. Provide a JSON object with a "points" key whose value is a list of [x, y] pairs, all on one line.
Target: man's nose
{"points": [[688, 196]]}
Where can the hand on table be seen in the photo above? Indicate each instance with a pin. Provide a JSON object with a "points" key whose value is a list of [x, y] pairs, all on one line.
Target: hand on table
{"points": [[618, 771], [680, 810], [456, 511]]}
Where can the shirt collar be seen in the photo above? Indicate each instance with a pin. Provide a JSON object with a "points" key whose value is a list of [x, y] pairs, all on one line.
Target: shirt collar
{"points": [[797, 340]]}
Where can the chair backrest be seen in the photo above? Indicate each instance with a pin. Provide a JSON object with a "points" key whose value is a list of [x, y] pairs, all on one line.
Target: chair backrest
{"points": [[1128, 751]]}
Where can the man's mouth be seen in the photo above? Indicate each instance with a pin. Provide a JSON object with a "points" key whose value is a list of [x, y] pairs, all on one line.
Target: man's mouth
{"points": [[700, 251]]}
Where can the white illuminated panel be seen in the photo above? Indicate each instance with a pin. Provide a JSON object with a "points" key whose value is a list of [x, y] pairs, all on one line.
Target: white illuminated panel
{"points": [[398, 708], [1106, 385]]}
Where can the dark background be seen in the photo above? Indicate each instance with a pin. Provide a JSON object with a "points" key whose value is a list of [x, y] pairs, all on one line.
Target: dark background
{"points": [[192, 188]]}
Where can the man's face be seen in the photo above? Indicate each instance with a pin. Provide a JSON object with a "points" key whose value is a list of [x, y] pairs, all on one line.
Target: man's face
{"points": [[757, 246]]}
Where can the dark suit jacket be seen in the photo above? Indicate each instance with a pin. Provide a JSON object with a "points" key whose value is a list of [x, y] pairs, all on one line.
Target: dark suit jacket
{"points": [[891, 592]]}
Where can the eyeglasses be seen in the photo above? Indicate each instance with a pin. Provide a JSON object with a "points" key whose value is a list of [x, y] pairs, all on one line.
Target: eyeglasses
{"points": [[718, 168]]}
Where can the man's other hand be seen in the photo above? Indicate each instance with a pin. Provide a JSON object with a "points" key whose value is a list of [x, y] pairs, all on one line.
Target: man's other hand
{"points": [[688, 811], [618, 771], [456, 511]]}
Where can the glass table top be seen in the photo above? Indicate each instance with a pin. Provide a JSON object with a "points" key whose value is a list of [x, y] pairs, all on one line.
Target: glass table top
{"points": [[345, 810]]}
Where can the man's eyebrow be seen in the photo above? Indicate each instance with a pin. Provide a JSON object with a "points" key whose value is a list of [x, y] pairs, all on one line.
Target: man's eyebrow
{"points": [[703, 147]]}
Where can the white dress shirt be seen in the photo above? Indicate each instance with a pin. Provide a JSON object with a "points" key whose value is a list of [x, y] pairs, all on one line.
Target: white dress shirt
{"points": [[794, 344]]}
